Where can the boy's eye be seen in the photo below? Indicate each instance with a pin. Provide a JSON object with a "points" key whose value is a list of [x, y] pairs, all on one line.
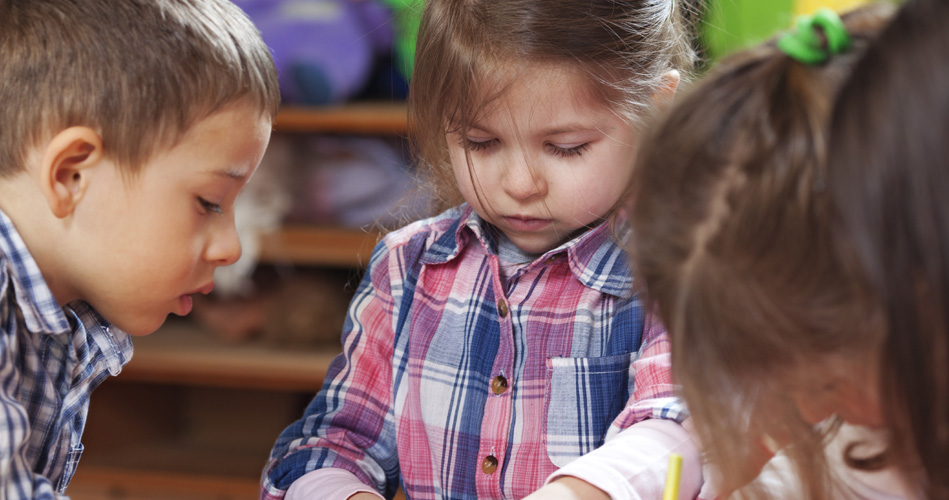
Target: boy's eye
{"points": [[210, 207], [477, 144], [567, 152]]}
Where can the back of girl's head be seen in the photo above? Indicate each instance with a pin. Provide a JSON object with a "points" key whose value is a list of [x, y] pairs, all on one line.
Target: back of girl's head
{"points": [[731, 241], [889, 183], [139, 72], [468, 51]]}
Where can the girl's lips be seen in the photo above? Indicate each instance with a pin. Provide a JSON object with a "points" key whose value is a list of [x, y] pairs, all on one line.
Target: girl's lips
{"points": [[526, 223]]}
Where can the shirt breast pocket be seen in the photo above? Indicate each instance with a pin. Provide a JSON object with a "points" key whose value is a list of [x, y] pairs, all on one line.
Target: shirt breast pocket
{"points": [[583, 396], [72, 461]]}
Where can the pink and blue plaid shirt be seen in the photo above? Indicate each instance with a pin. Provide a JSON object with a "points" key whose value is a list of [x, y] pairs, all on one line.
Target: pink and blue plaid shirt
{"points": [[447, 369]]}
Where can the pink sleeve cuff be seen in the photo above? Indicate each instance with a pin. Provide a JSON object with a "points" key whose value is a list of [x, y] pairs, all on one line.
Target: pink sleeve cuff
{"points": [[327, 484], [633, 464]]}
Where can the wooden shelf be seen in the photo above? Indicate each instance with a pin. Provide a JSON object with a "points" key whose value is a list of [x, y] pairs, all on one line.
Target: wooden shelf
{"points": [[118, 483], [115, 483], [165, 441], [321, 246], [377, 118], [182, 353]]}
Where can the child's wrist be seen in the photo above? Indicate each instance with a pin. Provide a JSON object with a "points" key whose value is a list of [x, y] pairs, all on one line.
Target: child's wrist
{"points": [[569, 488]]}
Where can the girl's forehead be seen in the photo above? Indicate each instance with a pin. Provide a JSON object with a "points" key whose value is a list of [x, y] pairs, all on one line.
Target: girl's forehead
{"points": [[496, 85], [501, 75]]}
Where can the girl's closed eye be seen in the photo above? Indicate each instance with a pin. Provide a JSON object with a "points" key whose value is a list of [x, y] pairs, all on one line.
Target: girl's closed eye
{"points": [[478, 143], [210, 207], [567, 151]]}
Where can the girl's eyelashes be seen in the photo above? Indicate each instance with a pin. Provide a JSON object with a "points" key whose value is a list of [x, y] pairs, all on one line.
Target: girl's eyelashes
{"points": [[567, 152], [477, 145], [210, 207], [563, 152]]}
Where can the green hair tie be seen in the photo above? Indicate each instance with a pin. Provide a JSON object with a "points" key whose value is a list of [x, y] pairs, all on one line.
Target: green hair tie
{"points": [[806, 45]]}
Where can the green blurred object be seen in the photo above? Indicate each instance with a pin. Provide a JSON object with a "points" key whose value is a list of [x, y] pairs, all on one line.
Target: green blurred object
{"points": [[408, 14], [732, 25]]}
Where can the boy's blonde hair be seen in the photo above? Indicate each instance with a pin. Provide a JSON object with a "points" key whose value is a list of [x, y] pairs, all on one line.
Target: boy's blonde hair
{"points": [[732, 242], [139, 72], [624, 46]]}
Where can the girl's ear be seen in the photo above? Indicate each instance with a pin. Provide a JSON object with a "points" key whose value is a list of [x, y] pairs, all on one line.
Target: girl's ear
{"points": [[667, 87], [65, 169]]}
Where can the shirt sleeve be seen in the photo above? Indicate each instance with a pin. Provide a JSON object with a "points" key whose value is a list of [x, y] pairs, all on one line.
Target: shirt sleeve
{"points": [[327, 484], [633, 465], [17, 479], [654, 394], [348, 424]]}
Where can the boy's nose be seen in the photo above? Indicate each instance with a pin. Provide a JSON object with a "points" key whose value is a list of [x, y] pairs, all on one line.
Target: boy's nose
{"points": [[225, 247], [522, 181]]}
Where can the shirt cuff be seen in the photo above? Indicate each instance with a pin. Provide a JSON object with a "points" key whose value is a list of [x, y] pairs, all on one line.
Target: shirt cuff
{"points": [[633, 464], [327, 484]]}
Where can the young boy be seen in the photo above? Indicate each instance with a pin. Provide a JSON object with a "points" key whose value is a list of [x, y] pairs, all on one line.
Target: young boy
{"points": [[128, 129]]}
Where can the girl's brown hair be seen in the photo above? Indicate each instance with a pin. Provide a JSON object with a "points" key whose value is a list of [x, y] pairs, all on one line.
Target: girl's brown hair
{"points": [[890, 136], [731, 241], [625, 46]]}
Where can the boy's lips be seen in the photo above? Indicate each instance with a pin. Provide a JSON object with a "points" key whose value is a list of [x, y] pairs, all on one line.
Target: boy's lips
{"points": [[186, 303]]}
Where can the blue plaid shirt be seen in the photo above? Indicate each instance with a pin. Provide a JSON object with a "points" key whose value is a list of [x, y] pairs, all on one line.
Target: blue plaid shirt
{"points": [[51, 359]]}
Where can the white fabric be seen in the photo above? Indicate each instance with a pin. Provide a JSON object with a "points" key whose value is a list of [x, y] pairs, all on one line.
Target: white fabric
{"points": [[327, 484], [633, 464]]}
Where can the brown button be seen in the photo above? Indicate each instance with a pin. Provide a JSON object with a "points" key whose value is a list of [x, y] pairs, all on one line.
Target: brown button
{"points": [[489, 464], [498, 384], [502, 308]]}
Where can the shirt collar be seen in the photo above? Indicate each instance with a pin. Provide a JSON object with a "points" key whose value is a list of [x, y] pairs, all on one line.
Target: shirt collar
{"points": [[114, 346], [41, 312], [595, 258]]}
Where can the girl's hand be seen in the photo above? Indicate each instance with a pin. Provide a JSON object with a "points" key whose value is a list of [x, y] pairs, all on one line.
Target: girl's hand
{"points": [[568, 488]]}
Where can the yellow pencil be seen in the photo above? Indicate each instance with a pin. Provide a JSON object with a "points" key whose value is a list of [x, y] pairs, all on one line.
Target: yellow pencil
{"points": [[672, 477]]}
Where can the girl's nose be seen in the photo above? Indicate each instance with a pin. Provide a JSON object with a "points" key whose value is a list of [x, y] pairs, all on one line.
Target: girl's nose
{"points": [[523, 181], [812, 407], [225, 246]]}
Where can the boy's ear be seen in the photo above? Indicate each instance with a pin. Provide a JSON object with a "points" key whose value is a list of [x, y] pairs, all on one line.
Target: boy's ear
{"points": [[65, 167], [667, 87]]}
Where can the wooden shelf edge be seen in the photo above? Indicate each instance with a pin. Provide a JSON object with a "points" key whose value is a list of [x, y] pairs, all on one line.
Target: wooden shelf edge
{"points": [[382, 118], [113, 478], [321, 246], [181, 353]]}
